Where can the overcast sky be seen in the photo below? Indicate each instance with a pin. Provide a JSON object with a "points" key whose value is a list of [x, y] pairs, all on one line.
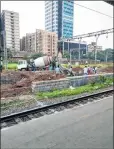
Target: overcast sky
{"points": [[32, 16]]}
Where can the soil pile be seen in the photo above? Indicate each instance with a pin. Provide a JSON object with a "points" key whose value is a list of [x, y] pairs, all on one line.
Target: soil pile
{"points": [[21, 81]]}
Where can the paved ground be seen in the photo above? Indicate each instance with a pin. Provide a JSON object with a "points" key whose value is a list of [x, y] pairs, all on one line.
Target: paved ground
{"points": [[89, 126]]}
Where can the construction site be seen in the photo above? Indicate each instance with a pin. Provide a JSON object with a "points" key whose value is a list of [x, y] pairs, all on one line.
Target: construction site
{"points": [[15, 83]]}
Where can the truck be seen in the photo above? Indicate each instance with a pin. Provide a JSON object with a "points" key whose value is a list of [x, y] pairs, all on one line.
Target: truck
{"points": [[39, 63]]}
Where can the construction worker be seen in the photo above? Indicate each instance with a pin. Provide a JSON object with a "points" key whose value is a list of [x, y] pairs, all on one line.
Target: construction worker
{"points": [[57, 70], [71, 73], [85, 70]]}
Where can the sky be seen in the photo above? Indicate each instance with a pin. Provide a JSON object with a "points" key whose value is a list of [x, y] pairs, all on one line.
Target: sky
{"points": [[32, 16]]}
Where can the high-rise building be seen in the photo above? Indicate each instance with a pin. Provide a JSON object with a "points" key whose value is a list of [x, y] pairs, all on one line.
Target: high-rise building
{"points": [[1, 34], [41, 42], [31, 42], [10, 21], [59, 17], [46, 42], [23, 44]]}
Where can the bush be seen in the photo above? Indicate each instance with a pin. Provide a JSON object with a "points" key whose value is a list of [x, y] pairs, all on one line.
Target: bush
{"points": [[102, 79]]}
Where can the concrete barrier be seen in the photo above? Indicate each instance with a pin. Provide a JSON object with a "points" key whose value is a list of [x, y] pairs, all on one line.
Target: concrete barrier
{"points": [[66, 83]]}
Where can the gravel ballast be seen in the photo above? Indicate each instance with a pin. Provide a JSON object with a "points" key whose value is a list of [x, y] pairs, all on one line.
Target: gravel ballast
{"points": [[26, 102]]}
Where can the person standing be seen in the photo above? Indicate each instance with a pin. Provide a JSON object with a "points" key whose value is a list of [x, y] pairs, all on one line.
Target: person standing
{"points": [[57, 70], [33, 66], [95, 69], [85, 70], [50, 68], [88, 70], [69, 65], [71, 73]]}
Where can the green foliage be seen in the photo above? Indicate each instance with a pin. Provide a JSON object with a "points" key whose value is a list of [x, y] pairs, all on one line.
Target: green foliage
{"points": [[105, 55], [66, 54], [92, 82], [34, 56], [82, 89], [9, 53], [102, 79], [54, 89]]}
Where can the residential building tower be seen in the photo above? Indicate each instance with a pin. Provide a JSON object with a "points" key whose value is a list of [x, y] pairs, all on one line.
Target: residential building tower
{"points": [[11, 30]]}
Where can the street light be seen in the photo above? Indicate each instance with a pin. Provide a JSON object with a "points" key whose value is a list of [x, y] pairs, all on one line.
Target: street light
{"points": [[106, 51]]}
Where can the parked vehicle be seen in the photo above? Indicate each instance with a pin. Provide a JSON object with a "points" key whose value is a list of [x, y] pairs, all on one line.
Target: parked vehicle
{"points": [[39, 63]]}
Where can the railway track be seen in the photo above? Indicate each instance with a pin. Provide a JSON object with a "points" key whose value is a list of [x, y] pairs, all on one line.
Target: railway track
{"points": [[15, 118]]}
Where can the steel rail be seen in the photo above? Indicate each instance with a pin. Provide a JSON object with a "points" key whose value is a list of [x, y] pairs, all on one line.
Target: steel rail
{"points": [[52, 106]]}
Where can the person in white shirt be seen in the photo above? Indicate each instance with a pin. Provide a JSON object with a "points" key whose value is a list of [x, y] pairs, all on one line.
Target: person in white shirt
{"points": [[96, 69], [69, 64], [57, 70], [85, 70]]}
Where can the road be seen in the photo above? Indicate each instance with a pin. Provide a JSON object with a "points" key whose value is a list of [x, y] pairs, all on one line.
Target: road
{"points": [[89, 126]]}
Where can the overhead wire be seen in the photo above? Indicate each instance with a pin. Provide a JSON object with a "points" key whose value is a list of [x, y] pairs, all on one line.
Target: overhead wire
{"points": [[94, 10]]}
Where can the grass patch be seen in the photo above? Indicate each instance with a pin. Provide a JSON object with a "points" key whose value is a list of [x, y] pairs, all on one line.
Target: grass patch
{"points": [[12, 66], [103, 83]]}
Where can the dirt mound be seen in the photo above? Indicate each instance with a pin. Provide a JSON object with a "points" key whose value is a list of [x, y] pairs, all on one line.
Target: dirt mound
{"points": [[78, 70], [106, 70], [22, 81]]}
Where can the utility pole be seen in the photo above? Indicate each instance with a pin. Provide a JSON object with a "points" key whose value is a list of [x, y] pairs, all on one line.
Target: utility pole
{"points": [[70, 56], [68, 45], [79, 48], [69, 50], [5, 49], [63, 47], [106, 56], [97, 36]]}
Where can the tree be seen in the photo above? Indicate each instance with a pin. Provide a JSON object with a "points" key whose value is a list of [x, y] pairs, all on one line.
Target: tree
{"points": [[34, 56], [66, 55], [9, 53], [91, 55], [109, 54], [105, 55]]}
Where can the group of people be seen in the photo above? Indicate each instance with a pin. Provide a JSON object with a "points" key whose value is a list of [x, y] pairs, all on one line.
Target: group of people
{"points": [[55, 67], [90, 70]]}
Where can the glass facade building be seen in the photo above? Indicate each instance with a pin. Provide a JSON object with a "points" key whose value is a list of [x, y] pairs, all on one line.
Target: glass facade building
{"points": [[59, 17], [74, 47]]}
